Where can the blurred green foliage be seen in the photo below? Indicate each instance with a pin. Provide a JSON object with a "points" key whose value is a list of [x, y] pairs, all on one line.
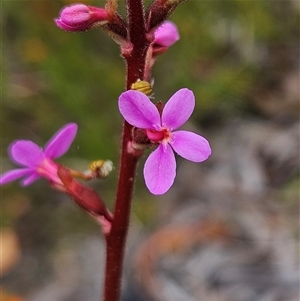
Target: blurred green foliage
{"points": [[51, 77]]}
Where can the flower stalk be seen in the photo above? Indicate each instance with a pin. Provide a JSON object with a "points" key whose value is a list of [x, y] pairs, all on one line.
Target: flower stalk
{"points": [[116, 239]]}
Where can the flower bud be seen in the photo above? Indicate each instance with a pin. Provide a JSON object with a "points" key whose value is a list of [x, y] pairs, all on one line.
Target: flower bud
{"points": [[166, 34], [80, 17]]}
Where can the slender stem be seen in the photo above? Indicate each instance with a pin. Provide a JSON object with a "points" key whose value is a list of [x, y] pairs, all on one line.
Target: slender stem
{"points": [[115, 241]]}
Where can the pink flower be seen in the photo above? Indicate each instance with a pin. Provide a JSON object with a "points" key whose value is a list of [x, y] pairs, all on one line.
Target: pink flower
{"points": [[160, 167], [80, 17], [37, 162], [166, 34]]}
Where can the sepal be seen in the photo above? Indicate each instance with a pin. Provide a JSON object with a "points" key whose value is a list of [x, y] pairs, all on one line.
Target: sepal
{"points": [[85, 197]]}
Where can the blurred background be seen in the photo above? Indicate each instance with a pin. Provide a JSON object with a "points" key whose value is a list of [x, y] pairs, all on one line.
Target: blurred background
{"points": [[228, 230]]}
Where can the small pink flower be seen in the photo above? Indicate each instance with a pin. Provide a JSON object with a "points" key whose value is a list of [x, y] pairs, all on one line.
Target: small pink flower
{"points": [[160, 167], [80, 17], [166, 34], [36, 161]]}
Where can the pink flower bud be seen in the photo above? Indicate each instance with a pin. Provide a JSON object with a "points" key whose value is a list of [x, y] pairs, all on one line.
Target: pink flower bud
{"points": [[80, 17], [166, 34]]}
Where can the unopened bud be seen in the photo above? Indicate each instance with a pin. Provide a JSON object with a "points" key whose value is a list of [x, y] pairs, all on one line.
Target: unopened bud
{"points": [[80, 17], [166, 34]]}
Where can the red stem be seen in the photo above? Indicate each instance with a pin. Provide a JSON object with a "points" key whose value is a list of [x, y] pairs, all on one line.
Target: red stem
{"points": [[115, 241]]}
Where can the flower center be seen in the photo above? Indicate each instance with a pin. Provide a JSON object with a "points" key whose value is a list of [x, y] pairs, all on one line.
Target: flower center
{"points": [[158, 136], [48, 170]]}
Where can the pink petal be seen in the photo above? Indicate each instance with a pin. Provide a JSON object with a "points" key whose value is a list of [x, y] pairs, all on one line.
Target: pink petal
{"points": [[166, 34], [190, 146], [178, 109], [29, 180], [138, 110], [14, 174], [160, 170], [26, 153], [75, 13], [61, 141], [64, 26]]}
